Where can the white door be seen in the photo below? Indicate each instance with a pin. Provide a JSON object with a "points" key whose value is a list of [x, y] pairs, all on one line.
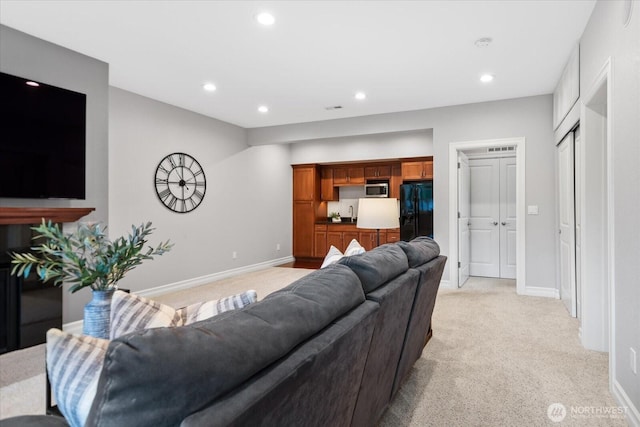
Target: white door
{"points": [[566, 221], [508, 218], [464, 205], [484, 218], [577, 197]]}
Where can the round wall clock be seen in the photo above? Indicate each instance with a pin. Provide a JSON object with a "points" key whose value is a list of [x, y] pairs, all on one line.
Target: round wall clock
{"points": [[180, 182]]}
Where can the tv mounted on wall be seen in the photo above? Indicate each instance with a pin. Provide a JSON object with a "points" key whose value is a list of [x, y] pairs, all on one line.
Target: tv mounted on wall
{"points": [[42, 140]]}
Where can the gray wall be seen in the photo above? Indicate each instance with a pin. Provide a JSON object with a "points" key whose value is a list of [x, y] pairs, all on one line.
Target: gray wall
{"points": [[364, 147], [27, 56], [529, 117], [604, 37], [247, 206]]}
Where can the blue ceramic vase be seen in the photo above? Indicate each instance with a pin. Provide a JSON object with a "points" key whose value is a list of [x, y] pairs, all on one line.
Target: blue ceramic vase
{"points": [[97, 314]]}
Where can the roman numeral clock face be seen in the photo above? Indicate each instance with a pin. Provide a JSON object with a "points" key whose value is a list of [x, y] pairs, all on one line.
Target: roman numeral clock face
{"points": [[180, 182]]}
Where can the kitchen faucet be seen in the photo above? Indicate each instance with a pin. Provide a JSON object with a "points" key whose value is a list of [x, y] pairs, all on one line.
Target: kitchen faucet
{"points": [[351, 212]]}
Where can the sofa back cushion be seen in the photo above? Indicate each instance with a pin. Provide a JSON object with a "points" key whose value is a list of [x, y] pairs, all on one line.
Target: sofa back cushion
{"points": [[315, 385], [377, 266], [160, 376], [420, 250]]}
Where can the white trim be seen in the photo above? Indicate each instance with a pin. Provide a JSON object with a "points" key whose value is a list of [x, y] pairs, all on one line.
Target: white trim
{"points": [[446, 284], [454, 147], [76, 327], [537, 291], [632, 413], [73, 327], [203, 280], [604, 76]]}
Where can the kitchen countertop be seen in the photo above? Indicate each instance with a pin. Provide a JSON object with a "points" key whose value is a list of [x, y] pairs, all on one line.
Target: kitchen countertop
{"points": [[343, 222]]}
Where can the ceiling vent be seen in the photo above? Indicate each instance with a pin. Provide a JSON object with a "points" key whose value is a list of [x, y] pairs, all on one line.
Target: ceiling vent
{"points": [[333, 107], [501, 149]]}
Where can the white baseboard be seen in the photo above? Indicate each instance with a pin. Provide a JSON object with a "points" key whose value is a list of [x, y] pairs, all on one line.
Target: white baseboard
{"points": [[446, 284], [73, 327], [76, 327], [536, 291], [632, 413]]}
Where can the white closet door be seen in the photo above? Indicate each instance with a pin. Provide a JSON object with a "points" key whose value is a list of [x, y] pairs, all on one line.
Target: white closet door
{"points": [[566, 217], [464, 207], [484, 218], [508, 222], [577, 197]]}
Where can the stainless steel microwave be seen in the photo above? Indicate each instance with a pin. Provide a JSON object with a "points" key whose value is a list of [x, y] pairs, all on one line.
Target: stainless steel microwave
{"points": [[376, 190]]}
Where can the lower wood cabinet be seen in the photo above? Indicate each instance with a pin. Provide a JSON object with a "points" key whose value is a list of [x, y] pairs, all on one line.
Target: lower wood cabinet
{"points": [[303, 222], [320, 247], [369, 239], [340, 236]]}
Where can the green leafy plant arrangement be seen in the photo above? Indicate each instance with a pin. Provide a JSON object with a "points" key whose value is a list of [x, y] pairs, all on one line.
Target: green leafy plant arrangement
{"points": [[86, 258]]}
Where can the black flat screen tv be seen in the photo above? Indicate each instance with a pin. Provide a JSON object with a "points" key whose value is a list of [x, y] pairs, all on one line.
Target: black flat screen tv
{"points": [[42, 140]]}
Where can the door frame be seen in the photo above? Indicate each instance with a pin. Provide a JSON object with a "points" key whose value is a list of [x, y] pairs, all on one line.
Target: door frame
{"points": [[598, 232], [454, 147]]}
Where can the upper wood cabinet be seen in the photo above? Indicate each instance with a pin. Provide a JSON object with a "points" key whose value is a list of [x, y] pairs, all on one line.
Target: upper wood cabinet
{"points": [[305, 182], [377, 172], [348, 176], [418, 170], [395, 181], [328, 191]]}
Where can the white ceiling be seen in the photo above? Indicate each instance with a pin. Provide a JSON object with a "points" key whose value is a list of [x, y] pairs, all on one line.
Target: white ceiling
{"points": [[405, 55]]}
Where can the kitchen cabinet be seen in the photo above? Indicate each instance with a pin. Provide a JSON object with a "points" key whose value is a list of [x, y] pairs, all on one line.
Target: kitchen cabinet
{"points": [[305, 182], [340, 236], [328, 191], [417, 170], [348, 176], [320, 247], [369, 239], [303, 221], [306, 209], [393, 236], [377, 172], [395, 181]]}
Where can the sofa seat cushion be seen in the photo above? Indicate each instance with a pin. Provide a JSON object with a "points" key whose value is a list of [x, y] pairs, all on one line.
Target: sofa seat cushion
{"points": [[420, 250], [160, 376], [34, 421], [377, 266]]}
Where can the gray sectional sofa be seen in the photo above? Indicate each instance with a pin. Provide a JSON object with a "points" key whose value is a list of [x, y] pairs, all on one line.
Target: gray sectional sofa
{"points": [[331, 349]]}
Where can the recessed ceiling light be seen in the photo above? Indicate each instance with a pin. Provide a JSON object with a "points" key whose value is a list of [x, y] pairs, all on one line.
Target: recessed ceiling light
{"points": [[361, 95], [209, 87], [263, 109], [34, 84], [486, 78], [265, 18], [483, 42]]}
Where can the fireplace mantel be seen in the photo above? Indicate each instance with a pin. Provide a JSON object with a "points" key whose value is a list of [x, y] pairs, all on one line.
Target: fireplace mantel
{"points": [[35, 215]]}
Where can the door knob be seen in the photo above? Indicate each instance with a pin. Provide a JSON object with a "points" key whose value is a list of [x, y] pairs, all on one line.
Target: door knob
{"points": [[503, 223], [495, 222]]}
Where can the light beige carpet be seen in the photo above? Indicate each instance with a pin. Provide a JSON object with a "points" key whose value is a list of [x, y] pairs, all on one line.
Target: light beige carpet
{"points": [[496, 359]]}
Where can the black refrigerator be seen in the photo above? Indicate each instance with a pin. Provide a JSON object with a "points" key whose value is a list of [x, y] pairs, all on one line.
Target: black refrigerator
{"points": [[416, 210]]}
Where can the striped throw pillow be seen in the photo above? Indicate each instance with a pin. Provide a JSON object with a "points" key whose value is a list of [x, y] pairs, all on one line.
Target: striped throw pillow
{"points": [[204, 310], [130, 313], [74, 363]]}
